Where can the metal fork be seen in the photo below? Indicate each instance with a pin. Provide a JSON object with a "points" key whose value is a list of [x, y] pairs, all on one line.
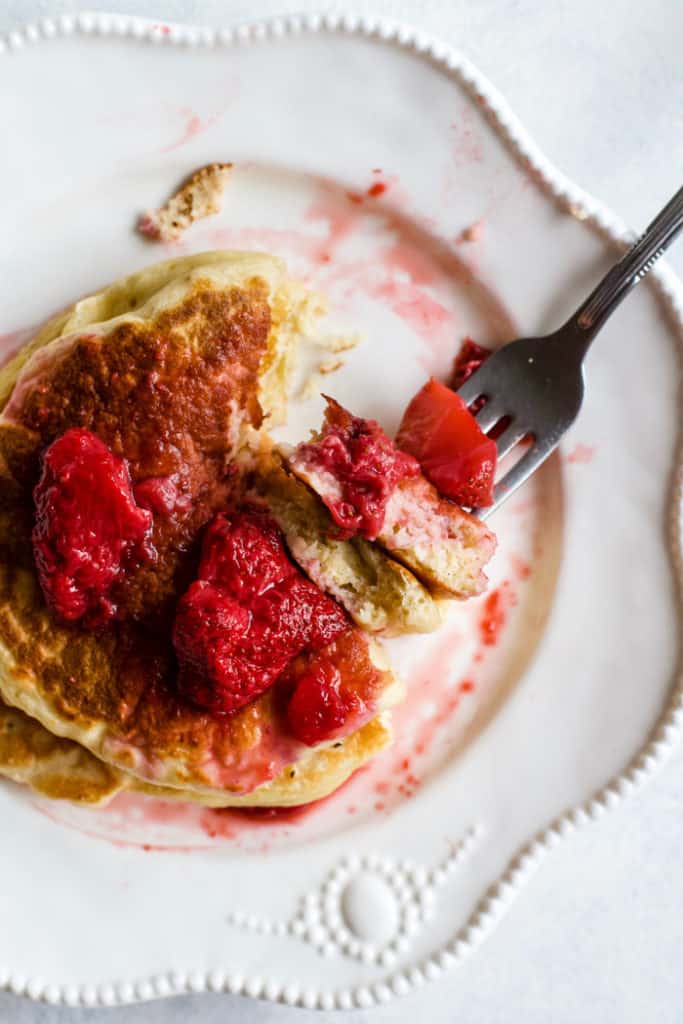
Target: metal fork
{"points": [[536, 384]]}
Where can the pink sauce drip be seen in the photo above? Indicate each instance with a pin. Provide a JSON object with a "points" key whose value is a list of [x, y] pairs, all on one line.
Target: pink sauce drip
{"points": [[198, 828], [426, 316], [581, 454], [495, 614], [194, 125], [401, 274], [448, 706], [340, 220], [520, 568]]}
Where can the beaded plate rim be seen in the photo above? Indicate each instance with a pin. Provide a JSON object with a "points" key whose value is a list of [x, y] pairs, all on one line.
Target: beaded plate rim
{"points": [[667, 734]]}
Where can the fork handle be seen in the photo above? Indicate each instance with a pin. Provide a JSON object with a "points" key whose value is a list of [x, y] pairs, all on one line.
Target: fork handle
{"points": [[631, 268]]}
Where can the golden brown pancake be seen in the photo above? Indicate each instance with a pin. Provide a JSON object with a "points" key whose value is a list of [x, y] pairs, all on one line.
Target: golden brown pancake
{"points": [[169, 368], [50, 765], [64, 770]]}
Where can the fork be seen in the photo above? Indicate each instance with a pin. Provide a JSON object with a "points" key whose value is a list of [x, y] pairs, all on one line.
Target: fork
{"points": [[536, 385]]}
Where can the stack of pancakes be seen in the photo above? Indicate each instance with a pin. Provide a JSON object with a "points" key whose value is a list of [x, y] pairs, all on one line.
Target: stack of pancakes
{"points": [[177, 368]]}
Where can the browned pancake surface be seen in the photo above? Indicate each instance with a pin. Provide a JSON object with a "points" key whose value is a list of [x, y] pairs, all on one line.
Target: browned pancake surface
{"points": [[165, 395]]}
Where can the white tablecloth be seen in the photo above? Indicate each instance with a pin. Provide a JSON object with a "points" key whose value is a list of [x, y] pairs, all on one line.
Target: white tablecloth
{"points": [[597, 936]]}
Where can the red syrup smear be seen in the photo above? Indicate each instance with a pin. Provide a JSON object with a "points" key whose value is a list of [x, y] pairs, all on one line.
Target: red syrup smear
{"points": [[430, 682], [426, 316], [397, 276], [194, 125], [226, 823], [376, 189], [428, 730], [233, 825], [400, 275], [520, 568], [581, 454], [495, 614], [340, 220], [50, 811]]}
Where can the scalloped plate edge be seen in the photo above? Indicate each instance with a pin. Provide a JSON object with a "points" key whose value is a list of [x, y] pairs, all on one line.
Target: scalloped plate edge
{"points": [[667, 735]]}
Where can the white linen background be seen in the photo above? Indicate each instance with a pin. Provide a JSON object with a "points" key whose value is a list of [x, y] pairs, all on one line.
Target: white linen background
{"points": [[597, 934]]}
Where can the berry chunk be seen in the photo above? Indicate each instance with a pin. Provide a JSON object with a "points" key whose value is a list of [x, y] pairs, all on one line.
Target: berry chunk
{"points": [[225, 659], [318, 708], [250, 613], [332, 691], [355, 468], [244, 553], [298, 610], [88, 527], [468, 360], [453, 451]]}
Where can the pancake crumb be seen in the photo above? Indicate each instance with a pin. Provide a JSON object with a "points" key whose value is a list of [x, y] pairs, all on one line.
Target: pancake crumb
{"points": [[331, 366], [198, 197], [337, 342]]}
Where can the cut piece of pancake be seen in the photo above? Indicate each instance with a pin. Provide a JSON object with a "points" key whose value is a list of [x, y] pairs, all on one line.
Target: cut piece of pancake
{"points": [[443, 545], [169, 368], [380, 594]]}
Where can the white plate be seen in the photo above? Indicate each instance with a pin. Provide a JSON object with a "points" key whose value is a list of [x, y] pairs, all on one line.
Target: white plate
{"points": [[400, 875]]}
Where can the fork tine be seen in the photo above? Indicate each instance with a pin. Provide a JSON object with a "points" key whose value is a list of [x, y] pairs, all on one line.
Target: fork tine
{"points": [[511, 436], [520, 472], [490, 413], [515, 477], [472, 388]]}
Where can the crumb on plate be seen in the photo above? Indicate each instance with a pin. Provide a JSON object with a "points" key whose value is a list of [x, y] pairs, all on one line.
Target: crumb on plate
{"points": [[199, 196]]}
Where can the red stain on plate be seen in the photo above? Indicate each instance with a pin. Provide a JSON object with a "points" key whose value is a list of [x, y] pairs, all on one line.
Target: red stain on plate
{"points": [[147, 823], [581, 454], [425, 315], [495, 613], [194, 125], [417, 265], [338, 219], [448, 705], [520, 568]]}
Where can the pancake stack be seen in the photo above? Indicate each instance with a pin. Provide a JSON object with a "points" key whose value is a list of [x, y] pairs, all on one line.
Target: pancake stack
{"points": [[178, 369]]}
